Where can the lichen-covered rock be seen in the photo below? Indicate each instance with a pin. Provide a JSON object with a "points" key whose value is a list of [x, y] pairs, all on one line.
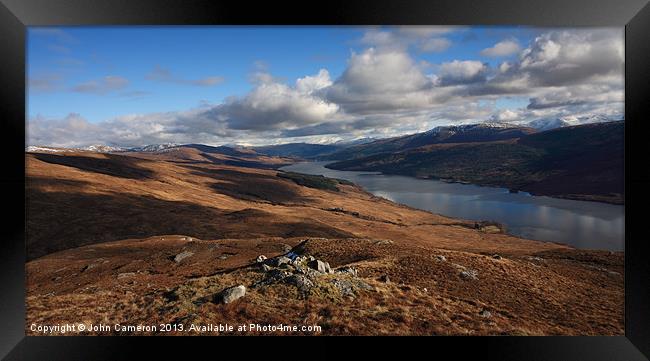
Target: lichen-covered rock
{"points": [[231, 294], [279, 261], [302, 283], [181, 256], [349, 271]]}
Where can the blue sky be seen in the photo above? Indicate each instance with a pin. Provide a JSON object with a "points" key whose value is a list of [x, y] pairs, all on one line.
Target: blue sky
{"points": [[100, 75]]}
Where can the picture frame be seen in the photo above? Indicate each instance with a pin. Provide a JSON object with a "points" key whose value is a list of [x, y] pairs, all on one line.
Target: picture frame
{"points": [[16, 15]]}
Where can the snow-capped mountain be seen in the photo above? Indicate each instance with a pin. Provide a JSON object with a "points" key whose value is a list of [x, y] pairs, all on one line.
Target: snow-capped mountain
{"points": [[155, 147], [37, 149], [568, 121], [103, 148]]}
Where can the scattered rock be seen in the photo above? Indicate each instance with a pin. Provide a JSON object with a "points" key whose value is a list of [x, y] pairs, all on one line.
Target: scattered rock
{"points": [[272, 276], [320, 266], [441, 258], [181, 256], [224, 256], [266, 267], [231, 294], [261, 258], [88, 267], [485, 313], [496, 256], [348, 270], [345, 287], [279, 261], [286, 248], [469, 274], [384, 279]]}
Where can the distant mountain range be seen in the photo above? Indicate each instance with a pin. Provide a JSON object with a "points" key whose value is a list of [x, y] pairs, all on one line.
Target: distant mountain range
{"points": [[578, 162]]}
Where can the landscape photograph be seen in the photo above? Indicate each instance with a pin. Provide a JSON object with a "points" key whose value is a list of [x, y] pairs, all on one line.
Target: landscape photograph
{"points": [[324, 181]]}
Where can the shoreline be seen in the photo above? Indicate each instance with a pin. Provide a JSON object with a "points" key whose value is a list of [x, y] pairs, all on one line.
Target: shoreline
{"points": [[505, 228]]}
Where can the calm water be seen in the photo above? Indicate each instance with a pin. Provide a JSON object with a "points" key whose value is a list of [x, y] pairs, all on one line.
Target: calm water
{"points": [[581, 224]]}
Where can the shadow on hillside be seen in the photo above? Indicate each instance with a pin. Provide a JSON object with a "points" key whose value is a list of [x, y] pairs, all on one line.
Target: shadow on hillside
{"points": [[241, 163], [250, 186], [58, 220], [113, 165]]}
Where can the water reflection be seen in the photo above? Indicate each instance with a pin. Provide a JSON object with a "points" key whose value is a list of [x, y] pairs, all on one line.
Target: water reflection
{"points": [[580, 224]]}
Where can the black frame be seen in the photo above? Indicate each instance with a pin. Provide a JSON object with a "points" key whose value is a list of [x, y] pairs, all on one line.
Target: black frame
{"points": [[15, 15]]}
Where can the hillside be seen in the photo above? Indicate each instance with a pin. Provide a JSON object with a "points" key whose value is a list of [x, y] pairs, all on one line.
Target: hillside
{"points": [[152, 237], [298, 150], [482, 132], [581, 162]]}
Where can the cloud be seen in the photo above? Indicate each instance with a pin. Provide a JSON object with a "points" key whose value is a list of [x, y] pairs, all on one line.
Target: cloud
{"points": [[274, 105], [435, 45], [502, 48], [462, 72], [381, 80], [44, 83], [428, 39], [102, 86], [559, 58], [165, 75]]}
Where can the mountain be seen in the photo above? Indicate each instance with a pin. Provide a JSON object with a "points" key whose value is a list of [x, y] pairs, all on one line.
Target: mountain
{"points": [[579, 162], [552, 123], [481, 132], [549, 123], [153, 147], [298, 150]]}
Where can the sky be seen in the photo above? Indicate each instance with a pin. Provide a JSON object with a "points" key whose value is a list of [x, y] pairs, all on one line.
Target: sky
{"points": [[132, 86]]}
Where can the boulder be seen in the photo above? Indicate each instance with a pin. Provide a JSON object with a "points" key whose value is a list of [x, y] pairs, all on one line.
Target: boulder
{"points": [[261, 258], [441, 258], [320, 266], [384, 279], [469, 274], [496, 256], [181, 256], [231, 294]]}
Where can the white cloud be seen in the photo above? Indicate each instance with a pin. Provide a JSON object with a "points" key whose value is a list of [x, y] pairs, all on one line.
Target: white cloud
{"points": [[274, 105], [435, 45], [165, 75], [502, 48], [102, 86]]}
